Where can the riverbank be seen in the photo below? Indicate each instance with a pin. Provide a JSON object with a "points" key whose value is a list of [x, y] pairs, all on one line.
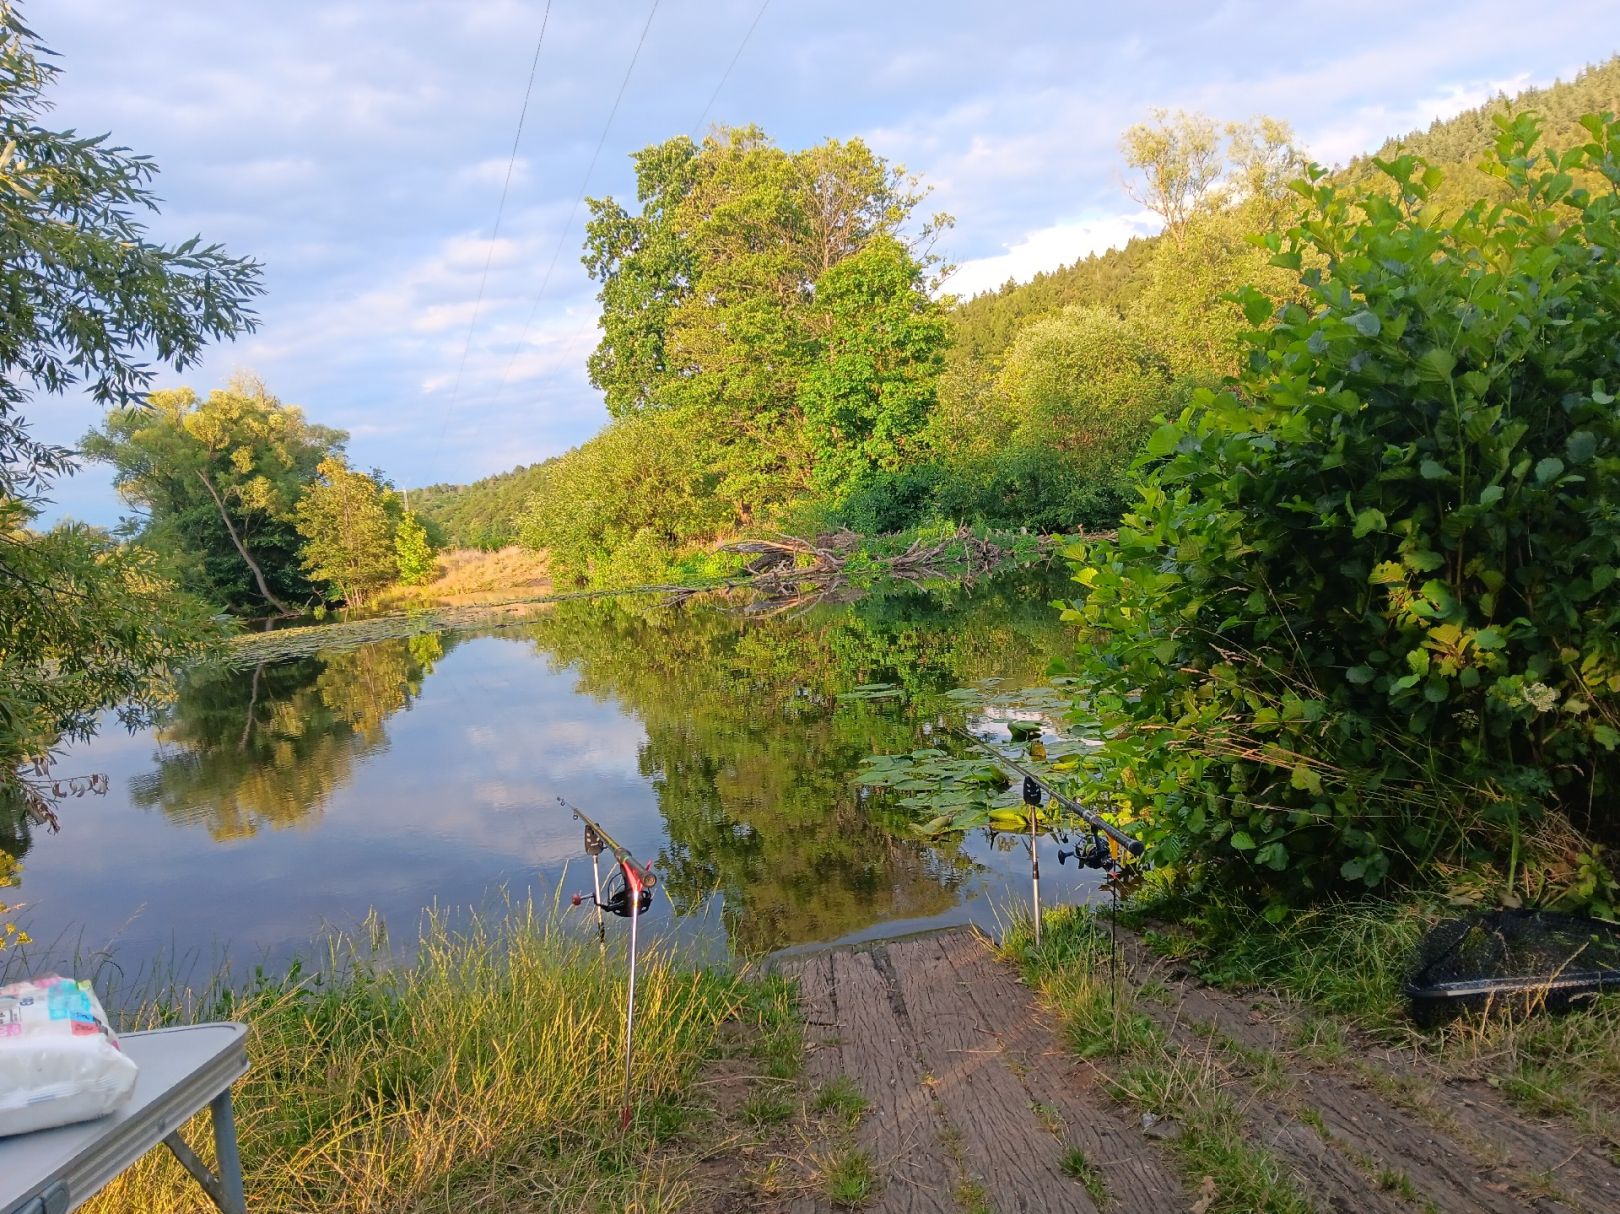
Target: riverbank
{"points": [[785, 573], [1278, 1071], [484, 1075], [1095, 1073]]}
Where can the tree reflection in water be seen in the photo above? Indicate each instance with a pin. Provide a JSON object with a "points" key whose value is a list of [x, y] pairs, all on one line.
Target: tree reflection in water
{"points": [[748, 748], [752, 754], [267, 746]]}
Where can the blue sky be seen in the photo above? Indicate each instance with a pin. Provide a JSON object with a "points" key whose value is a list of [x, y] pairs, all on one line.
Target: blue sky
{"points": [[358, 149]]}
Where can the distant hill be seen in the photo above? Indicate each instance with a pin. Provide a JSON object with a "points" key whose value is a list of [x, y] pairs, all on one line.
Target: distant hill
{"points": [[1461, 142], [985, 325], [482, 514]]}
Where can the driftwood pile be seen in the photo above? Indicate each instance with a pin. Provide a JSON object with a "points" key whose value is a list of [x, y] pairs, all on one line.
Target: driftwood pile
{"points": [[789, 572]]}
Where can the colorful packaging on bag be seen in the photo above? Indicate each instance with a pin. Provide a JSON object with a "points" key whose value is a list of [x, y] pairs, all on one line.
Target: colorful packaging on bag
{"points": [[59, 1060]]}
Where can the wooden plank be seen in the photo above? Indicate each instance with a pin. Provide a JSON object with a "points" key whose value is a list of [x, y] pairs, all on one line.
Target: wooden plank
{"points": [[1000, 1141], [1138, 1177]]}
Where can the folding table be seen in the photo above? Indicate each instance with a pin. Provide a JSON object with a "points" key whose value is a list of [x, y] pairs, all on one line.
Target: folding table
{"points": [[182, 1071]]}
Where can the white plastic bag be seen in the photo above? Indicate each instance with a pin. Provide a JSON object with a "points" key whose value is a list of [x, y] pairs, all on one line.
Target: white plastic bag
{"points": [[59, 1060]]}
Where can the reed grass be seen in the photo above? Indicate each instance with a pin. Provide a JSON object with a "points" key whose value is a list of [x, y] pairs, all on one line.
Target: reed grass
{"points": [[484, 1075]]}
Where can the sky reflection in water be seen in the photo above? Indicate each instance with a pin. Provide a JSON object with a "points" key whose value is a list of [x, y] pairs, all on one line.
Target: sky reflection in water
{"points": [[407, 774]]}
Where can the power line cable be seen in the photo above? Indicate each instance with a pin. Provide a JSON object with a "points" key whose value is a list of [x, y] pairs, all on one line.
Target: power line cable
{"points": [[726, 75], [585, 181], [500, 210]]}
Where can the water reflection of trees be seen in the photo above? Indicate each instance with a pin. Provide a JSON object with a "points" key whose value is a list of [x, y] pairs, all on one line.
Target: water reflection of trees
{"points": [[752, 755], [268, 746]]}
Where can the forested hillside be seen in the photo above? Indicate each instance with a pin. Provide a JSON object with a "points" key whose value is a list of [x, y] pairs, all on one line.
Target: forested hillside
{"points": [[822, 385], [482, 514], [984, 326]]}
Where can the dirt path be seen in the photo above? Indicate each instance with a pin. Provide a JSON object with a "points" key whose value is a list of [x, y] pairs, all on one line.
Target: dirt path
{"points": [[976, 1104]]}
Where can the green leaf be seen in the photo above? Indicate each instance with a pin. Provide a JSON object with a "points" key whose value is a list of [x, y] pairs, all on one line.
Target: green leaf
{"points": [[1549, 469], [1256, 307], [1368, 521], [1489, 638], [1242, 841], [1360, 675], [1581, 446], [1605, 736], [1433, 471], [1365, 323], [1490, 495], [1437, 364]]}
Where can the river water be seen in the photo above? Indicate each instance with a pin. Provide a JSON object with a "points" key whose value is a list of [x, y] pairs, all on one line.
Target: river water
{"points": [[279, 801]]}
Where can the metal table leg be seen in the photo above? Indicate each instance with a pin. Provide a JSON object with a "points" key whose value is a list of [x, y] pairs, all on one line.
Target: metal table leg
{"points": [[225, 1189], [230, 1162]]}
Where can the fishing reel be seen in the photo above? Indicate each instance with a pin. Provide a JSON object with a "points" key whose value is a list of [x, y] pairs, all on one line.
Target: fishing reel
{"points": [[628, 891], [1091, 853]]}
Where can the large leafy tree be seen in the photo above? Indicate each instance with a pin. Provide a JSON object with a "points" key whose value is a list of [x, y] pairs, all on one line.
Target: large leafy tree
{"points": [[86, 298], [217, 482], [734, 298]]}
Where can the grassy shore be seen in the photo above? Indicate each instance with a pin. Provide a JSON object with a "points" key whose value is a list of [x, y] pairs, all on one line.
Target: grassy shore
{"points": [[1350, 959], [1342, 967], [484, 1075]]}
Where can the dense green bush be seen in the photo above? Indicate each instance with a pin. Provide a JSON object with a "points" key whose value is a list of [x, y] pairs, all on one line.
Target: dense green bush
{"points": [[619, 508], [1362, 621]]}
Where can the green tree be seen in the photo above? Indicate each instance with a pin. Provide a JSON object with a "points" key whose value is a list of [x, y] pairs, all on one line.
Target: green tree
{"points": [[217, 482], [613, 510], [1178, 158], [1360, 622], [414, 555], [868, 396], [1050, 440], [348, 521], [713, 309], [86, 297]]}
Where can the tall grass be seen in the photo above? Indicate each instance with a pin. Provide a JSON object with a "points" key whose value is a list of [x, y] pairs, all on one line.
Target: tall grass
{"points": [[484, 1075], [463, 572]]}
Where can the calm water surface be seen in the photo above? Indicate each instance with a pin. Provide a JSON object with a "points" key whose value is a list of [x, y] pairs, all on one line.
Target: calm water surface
{"points": [[278, 801]]}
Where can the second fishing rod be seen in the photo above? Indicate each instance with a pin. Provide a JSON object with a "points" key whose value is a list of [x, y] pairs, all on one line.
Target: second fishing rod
{"points": [[1090, 817]]}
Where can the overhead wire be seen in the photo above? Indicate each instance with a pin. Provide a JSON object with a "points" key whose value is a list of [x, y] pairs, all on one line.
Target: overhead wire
{"points": [[726, 75], [500, 211], [579, 197]]}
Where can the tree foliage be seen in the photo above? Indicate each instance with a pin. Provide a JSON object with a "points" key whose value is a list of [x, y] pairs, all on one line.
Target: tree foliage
{"points": [[217, 481], [768, 300], [482, 514], [1359, 620], [1050, 440], [414, 554], [86, 296], [348, 523], [612, 510]]}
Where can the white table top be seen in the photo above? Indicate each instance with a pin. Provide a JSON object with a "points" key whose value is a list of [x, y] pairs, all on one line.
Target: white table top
{"points": [[181, 1070]]}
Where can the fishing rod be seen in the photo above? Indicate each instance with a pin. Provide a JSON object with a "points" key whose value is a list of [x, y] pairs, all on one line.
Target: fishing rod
{"points": [[630, 899], [1134, 846]]}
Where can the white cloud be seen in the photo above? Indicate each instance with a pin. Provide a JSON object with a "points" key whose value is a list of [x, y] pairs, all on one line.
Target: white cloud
{"points": [[492, 173], [1047, 249], [1369, 126]]}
